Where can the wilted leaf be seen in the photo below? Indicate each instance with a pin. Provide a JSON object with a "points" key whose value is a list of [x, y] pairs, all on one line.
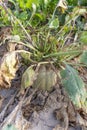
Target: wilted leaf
{"points": [[54, 24], [28, 77], [83, 58], [8, 68], [9, 127], [74, 86], [46, 79]]}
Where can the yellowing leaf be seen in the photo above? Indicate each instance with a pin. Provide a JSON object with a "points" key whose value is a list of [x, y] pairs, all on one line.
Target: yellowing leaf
{"points": [[44, 79], [28, 77], [8, 68]]}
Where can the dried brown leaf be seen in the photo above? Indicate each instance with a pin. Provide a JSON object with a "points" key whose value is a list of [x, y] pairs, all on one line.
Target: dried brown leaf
{"points": [[8, 68]]}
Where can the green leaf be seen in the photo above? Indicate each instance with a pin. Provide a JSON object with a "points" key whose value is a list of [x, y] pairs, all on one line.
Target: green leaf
{"points": [[46, 79], [54, 24], [10, 127], [83, 37], [31, 2], [40, 16], [74, 86], [23, 15], [28, 77], [83, 58], [25, 56]]}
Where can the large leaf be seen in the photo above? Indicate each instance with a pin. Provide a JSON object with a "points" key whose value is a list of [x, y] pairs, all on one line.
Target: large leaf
{"points": [[46, 79], [74, 86], [83, 58]]}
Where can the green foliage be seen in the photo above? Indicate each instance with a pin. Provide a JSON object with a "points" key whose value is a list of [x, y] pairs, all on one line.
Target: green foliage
{"points": [[4, 19], [74, 86], [77, 2], [36, 10], [24, 4], [73, 2], [32, 12]]}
